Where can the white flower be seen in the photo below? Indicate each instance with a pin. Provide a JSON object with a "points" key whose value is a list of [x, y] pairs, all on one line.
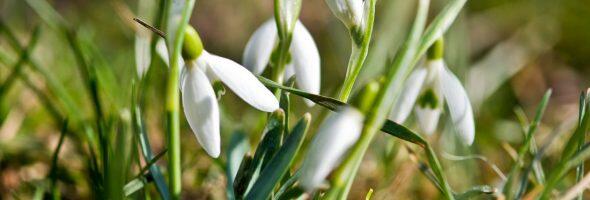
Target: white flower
{"points": [[335, 136], [305, 58], [430, 88], [200, 102], [350, 12]]}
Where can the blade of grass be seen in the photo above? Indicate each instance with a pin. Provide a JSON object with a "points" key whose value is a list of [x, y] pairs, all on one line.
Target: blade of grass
{"points": [[55, 193], [53, 19], [519, 164], [570, 157], [53, 84], [19, 66]]}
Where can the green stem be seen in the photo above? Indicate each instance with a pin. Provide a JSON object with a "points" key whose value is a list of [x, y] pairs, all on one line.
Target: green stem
{"points": [[358, 54], [173, 98]]}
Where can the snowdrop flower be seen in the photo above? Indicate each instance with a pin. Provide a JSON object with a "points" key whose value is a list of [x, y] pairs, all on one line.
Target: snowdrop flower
{"points": [[430, 87], [335, 136], [305, 59], [198, 98], [350, 12]]}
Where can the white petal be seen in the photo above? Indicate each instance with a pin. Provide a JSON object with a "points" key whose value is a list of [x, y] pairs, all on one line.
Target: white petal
{"points": [[143, 54], [407, 99], [334, 137], [242, 82], [260, 46], [201, 110], [459, 106], [427, 118], [306, 61]]}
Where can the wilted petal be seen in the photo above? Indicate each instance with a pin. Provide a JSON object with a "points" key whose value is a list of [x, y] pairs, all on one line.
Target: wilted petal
{"points": [[242, 82], [335, 136], [459, 106], [407, 98], [201, 110], [143, 54], [260, 46], [306, 61]]}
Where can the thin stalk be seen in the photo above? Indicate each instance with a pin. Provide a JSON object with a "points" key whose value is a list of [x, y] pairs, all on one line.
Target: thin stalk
{"points": [[358, 54], [173, 97], [280, 56]]}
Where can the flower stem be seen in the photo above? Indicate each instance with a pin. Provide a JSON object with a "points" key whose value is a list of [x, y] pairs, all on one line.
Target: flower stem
{"points": [[173, 98], [358, 54]]}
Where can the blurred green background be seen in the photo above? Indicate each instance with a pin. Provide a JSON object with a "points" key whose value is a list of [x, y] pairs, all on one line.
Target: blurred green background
{"points": [[507, 52]]}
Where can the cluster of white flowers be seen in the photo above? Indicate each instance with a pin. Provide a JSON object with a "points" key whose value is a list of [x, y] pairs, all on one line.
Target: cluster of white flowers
{"points": [[428, 88]]}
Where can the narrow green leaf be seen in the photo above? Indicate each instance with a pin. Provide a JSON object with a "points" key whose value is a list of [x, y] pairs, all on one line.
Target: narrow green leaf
{"points": [[280, 163], [403, 133], [146, 149], [243, 177], [264, 152]]}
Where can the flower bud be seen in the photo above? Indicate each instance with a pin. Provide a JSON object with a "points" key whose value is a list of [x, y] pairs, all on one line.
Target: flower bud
{"points": [[350, 12], [192, 47], [335, 136]]}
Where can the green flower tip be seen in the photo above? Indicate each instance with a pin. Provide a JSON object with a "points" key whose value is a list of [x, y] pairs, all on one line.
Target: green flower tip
{"points": [[192, 46], [436, 51], [428, 99]]}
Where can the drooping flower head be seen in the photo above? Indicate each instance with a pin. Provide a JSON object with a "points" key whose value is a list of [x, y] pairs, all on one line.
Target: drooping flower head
{"points": [[428, 89], [198, 97], [305, 59]]}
